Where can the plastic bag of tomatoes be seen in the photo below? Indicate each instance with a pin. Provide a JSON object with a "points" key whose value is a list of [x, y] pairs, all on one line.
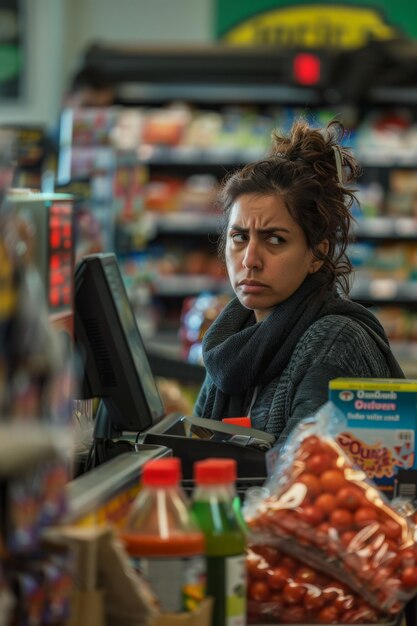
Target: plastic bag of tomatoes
{"points": [[282, 590], [323, 510]]}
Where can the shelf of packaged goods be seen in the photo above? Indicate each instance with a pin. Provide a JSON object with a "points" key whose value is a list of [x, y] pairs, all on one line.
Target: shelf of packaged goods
{"points": [[189, 155], [190, 223], [403, 228], [384, 291], [181, 285], [24, 445]]}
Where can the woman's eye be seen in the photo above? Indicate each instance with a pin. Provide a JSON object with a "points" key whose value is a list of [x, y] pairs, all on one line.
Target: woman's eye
{"points": [[238, 237], [275, 239]]}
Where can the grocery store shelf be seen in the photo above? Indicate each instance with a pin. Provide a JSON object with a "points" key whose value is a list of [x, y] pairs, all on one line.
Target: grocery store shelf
{"points": [[190, 223], [189, 155], [384, 290], [386, 228], [24, 445], [180, 285]]}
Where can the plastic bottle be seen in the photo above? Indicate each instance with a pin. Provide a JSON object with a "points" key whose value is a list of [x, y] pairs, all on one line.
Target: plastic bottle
{"points": [[213, 506], [164, 543]]}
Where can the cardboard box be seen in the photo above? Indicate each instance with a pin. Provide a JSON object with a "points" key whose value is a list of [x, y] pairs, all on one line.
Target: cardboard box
{"points": [[381, 425]]}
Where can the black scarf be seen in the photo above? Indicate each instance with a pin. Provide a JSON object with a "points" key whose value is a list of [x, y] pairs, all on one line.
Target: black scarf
{"points": [[240, 353]]}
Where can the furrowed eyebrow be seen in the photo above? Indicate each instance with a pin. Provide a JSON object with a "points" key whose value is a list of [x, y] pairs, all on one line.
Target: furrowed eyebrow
{"points": [[261, 231]]}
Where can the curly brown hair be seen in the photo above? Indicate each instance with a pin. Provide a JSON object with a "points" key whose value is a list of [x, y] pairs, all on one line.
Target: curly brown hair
{"points": [[302, 169]]}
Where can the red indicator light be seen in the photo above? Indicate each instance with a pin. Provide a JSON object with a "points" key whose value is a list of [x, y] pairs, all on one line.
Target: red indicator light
{"points": [[306, 68]]}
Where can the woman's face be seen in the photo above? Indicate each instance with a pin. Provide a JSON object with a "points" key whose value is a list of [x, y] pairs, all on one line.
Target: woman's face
{"points": [[267, 255]]}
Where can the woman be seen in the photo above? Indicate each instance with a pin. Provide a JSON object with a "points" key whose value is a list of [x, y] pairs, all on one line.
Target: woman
{"points": [[272, 351]]}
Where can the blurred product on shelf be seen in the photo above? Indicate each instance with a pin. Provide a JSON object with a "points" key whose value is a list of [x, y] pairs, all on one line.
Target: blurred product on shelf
{"points": [[36, 436], [198, 313]]}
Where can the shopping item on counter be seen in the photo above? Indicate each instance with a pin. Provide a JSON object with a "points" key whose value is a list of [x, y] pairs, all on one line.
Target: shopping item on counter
{"points": [[380, 432], [283, 590], [322, 509]]}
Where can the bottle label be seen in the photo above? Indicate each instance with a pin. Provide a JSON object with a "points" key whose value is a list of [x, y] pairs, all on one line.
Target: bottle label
{"points": [[235, 571], [178, 583]]}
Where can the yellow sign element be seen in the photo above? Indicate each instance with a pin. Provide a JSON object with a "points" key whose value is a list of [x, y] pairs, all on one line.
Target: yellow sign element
{"points": [[313, 26]]}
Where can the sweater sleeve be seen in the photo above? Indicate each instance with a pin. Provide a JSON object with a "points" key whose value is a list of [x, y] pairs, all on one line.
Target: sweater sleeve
{"points": [[333, 347], [202, 397]]}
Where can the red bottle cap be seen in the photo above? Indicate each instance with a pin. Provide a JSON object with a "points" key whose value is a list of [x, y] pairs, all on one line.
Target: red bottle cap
{"points": [[162, 472], [238, 421], [215, 471]]}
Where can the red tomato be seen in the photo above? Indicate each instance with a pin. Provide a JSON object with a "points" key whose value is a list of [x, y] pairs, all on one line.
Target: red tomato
{"points": [[311, 482], [405, 558], [305, 575], [311, 515], [278, 577], [328, 615], [293, 615], [258, 591], [349, 498], [409, 577], [344, 602], [293, 593], [325, 502], [289, 563], [318, 463], [341, 519], [256, 566], [310, 444], [314, 599], [347, 537], [365, 515], [269, 553], [391, 529], [333, 480]]}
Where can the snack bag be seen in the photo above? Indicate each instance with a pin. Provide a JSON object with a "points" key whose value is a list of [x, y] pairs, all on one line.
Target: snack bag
{"points": [[325, 511], [282, 589]]}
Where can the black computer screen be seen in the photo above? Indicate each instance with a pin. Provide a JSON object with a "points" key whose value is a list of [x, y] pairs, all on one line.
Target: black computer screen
{"points": [[116, 366]]}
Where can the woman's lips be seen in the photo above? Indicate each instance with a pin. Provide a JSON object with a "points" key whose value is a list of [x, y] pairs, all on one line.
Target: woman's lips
{"points": [[252, 286]]}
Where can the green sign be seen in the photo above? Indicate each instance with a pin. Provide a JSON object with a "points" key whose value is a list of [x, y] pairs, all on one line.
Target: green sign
{"points": [[311, 24]]}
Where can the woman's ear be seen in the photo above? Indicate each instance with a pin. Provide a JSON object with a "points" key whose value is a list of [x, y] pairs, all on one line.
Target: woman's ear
{"points": [[322, 248]]}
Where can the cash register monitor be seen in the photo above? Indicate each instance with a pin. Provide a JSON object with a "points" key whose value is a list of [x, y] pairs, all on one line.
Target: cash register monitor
{"points": [[116, 367]]}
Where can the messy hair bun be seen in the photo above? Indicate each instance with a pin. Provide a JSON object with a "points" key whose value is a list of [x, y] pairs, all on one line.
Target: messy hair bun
{"points": [[313, 173]]}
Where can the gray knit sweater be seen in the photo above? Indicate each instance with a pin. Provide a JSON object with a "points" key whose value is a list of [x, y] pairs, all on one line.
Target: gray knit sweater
{"points": [[332, 346]]}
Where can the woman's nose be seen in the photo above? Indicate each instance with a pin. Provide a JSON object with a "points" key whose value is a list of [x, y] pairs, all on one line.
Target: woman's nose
{"points": [[251, 258]]}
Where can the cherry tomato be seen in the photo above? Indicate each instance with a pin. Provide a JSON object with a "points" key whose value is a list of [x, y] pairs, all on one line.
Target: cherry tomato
{"points": [[278, 601], [258, 591], [344, 602], [293, 593], [318, 463], [347, 537], [325, 502], [278, 577], [310, 444], [391, 529], [341, 519], [311, 482], [365, 515], [409, 577], [305, 575], [269, 553], [289, 563], [311, 515], [328, 615], [293, 615], [314, 599], [349, 498], [333, 480], [256, 567]]}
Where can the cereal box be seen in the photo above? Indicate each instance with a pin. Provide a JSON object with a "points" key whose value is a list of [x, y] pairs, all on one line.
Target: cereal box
{"points": [[381, 425]]}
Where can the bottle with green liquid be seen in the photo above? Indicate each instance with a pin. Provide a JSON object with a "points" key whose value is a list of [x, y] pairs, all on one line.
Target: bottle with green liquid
{"points": [[214, 508]]}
